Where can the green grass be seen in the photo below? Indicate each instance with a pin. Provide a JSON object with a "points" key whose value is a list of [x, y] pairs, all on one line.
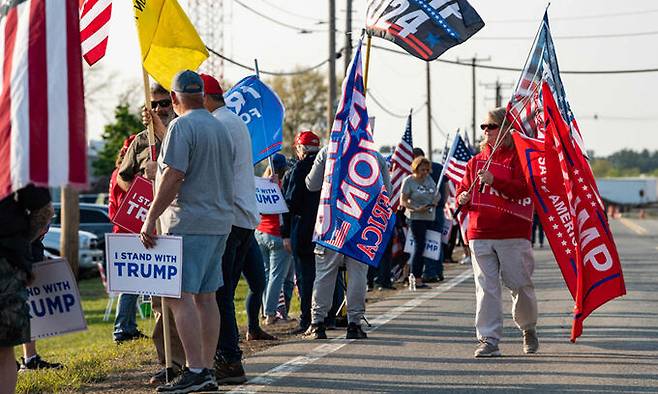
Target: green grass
{"points": [[91, 356]]}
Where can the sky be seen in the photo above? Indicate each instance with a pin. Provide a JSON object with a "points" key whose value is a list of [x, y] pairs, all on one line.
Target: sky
{"points": [[613, 111]]}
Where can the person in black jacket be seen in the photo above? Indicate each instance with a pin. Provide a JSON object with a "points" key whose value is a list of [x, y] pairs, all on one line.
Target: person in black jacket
{"points": [[297, 232], [24, 215]]}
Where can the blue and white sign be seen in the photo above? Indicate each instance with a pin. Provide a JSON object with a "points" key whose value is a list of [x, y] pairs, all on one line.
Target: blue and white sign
{"points": [[269, 197], [432, 244], [262, 111], [54, 300], [133, 269]]}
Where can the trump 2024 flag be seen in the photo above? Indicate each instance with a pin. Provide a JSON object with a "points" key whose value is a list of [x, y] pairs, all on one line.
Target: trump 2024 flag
{"points": [[354, 217], [42, 122]]}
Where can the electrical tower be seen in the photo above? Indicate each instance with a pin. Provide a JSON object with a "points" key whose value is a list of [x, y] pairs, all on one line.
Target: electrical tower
{"points": [[208, 19]]}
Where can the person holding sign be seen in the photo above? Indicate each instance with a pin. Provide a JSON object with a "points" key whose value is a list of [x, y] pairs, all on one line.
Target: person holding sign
{"points": [[419, 198], [499, 237], [137, 162], [194, 199], [24, 215]]}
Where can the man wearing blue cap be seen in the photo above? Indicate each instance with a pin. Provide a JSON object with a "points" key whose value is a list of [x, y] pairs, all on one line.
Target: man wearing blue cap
{"points": [[194, 199]]}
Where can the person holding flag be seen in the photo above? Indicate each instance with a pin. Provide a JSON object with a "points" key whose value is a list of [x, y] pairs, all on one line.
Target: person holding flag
{"points": [[354, 222], [494, 193]]}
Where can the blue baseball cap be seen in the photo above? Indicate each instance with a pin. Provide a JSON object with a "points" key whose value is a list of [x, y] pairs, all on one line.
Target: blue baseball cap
{"points": [[187, 82]]}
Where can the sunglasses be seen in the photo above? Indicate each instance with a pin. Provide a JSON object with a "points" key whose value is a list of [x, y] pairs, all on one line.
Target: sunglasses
{"points": [[164, 103], [490, 126]]}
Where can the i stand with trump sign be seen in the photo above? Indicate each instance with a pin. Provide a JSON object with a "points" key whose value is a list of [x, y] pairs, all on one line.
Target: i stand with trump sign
{"points": [[54, 300], [133, 269]]}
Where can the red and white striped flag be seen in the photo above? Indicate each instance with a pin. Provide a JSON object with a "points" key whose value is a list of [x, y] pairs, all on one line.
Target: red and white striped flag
{"points": [[42, 122], [454, 169], [94, 28], [401, 164]]}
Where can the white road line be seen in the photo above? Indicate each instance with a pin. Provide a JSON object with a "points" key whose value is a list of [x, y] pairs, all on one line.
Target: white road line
{"points": [[277, 373], [636, 228]]}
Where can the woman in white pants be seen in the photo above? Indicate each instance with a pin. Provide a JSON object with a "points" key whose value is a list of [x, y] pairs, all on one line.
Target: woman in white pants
{"points": [[500, 223]]}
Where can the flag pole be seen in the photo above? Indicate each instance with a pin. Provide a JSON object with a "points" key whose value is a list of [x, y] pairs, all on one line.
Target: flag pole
{"points": [[366, 71], [166, 333], [269, 158]]}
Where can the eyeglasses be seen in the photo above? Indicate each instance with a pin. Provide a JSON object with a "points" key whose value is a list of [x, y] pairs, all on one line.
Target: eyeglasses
{"points": [[164, 103], [490, 126]]}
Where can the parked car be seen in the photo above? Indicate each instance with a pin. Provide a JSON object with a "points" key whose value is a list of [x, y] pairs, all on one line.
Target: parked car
{"points": [[89, 251], [98, 198], [93, 218]]}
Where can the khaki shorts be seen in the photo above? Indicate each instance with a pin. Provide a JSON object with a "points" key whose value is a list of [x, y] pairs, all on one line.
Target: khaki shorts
{"points": [[14, 313]]}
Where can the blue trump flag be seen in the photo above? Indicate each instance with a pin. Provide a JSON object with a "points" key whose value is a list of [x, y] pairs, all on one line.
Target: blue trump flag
{"points": [[355, 216], [262, 111]]}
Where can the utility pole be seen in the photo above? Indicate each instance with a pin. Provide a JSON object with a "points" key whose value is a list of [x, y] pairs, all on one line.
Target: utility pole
{"points": [[429, 111], [70, 220], [474, 60], [348, 35], [498, 89], [332, 66]]}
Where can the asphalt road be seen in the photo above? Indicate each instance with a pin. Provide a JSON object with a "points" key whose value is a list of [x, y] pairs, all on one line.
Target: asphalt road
{"points": [[424, 341]]}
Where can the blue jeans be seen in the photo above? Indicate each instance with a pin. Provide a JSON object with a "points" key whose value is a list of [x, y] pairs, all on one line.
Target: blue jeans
{"points": [[254, 273], [277, 264], [237, 246], [124, 322], [288, 287]]}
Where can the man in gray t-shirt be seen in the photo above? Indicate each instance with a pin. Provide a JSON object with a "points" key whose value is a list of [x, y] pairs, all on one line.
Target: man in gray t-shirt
{"points": [[194, 198]]}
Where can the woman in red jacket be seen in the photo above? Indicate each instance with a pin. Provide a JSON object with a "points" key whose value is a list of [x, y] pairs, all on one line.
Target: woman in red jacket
{"points": [[500, 222]]}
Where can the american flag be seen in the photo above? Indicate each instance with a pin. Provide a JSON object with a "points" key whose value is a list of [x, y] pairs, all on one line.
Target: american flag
{"points": [[526, 105], [401, 164], [94, 28], [42, 123], [454, 168]]}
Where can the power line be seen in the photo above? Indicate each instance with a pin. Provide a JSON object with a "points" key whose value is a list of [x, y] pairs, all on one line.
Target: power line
{"points": [[282, 73], [581, 37], [302, 30], [503, 68], [388, 111], [285, 11], [577, 17]]}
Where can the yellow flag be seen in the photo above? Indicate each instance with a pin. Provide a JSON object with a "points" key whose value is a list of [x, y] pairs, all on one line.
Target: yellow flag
{"points": [[168, 39]]}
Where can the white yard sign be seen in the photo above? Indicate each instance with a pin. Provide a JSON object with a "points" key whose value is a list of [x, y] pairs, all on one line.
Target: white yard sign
{"points": [[54, 300], [269, 197], [432, 244], [131, 268]]}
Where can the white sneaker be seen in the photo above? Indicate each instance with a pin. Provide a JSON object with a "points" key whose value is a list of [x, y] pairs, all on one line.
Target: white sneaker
{"points": [[465, 260]]}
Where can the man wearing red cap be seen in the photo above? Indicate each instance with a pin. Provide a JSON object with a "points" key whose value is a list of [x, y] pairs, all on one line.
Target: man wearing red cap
{"points": [[228, 359], [297, 232]]}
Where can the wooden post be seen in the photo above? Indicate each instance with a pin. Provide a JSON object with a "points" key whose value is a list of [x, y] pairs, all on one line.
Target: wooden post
{"points": [[166, 334], [70, 219]]}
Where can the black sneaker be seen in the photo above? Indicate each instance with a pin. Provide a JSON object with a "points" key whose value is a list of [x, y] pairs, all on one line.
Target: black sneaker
{"points": [[316, 331], [125, 337], [298, 330], [160, 377], [189, 382], [38, 363], [228, 373], [354, 331]]}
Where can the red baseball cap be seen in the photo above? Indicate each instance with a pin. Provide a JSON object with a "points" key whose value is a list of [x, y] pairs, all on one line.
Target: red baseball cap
{"points": [[307, 138], [211, 85]]}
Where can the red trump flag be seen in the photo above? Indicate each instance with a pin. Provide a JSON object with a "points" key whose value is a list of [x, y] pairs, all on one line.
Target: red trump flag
{"points": [[569, 207], [42, 122]]}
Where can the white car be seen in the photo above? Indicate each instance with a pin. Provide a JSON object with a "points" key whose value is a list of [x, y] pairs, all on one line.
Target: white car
{"points": [[88, 254]]}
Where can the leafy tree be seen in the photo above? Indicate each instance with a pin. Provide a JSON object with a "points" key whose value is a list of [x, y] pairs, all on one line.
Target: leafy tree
{"points": [[125, 124], [305, 98]]}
